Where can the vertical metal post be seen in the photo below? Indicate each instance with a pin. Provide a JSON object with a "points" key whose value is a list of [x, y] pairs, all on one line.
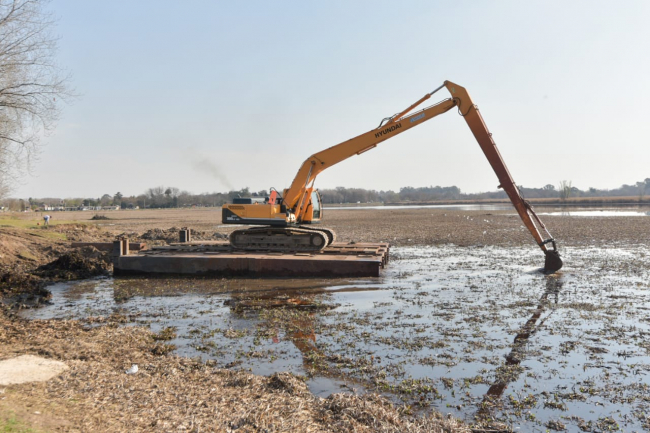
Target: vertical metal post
{"points": [[184, 235], [117, 248]]}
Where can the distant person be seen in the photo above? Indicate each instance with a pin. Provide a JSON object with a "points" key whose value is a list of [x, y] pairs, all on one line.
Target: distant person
{"points": [[46, 218]]}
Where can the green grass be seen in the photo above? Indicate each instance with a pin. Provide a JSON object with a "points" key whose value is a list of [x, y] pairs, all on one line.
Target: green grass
{"points": [[36, 225], [10, 424], [32, 221], [47, 234], [13, 221]]}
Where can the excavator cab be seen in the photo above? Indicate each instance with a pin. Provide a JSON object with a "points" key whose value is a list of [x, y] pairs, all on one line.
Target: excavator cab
{"points": [[314, 211]]}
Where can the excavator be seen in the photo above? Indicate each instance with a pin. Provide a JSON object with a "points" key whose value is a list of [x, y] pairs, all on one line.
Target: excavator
{"points": [[288, 219]]}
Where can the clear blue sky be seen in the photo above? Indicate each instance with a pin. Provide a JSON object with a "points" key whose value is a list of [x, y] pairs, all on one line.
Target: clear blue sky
{"points": [[253, 88]]}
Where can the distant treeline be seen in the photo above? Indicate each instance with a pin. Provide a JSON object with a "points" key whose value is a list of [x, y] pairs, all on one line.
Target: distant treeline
{"points": [[171, 197], [437, 193]]}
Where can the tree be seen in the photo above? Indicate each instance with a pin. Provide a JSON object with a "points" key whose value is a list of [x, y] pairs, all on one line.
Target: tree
{"points": [[155, 196], [117, 198], [4, 184], [643, 187], [105, 200], [565, 189], [31, 85]]}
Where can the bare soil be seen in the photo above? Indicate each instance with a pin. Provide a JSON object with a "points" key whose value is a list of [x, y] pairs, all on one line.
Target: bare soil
{"points": [[30, 258], [29, 368], [423, 226]]}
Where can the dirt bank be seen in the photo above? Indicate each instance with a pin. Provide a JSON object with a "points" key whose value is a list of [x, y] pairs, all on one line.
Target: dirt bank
{"points": [[31, 258]]}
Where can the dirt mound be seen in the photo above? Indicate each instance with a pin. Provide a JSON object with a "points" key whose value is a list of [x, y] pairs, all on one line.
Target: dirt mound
{"points": [[80, 263], [208, 236], [171, 235], [32, 257], [22, 251], [167, 235], [287, 382], [22, 290], [27, 248], [82, 232]]}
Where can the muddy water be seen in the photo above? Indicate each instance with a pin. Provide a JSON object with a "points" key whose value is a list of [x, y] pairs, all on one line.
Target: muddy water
{"points": [[475, 332], [468, 207], [574, 211]]}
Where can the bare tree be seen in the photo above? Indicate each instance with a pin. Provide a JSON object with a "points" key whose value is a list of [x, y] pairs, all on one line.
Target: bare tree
{"points": [[565, 189], [31, 84], [4, 184]]}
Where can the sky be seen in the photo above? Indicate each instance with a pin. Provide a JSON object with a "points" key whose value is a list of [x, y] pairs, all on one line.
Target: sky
{"points": [[210, 96]]}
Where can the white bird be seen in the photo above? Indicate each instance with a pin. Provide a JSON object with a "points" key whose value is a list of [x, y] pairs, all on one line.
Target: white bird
{"points": [[133, 369]]}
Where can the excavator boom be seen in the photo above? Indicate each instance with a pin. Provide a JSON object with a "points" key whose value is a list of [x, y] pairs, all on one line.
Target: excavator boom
{"points": [[300, 203]]}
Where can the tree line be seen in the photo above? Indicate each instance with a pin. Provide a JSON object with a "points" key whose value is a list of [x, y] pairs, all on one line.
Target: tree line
{"points": [[564, 190], [172, 197]]}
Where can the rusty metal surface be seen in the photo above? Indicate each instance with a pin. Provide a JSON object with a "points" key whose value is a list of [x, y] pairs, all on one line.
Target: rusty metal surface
{"points": [[219, 259]]}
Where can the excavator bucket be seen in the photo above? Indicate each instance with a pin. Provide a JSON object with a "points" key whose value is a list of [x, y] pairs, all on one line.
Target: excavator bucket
{"points": [[553, 262]]}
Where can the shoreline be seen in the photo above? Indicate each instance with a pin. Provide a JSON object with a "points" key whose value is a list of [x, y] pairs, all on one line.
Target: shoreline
{"points": [[577, 202]]}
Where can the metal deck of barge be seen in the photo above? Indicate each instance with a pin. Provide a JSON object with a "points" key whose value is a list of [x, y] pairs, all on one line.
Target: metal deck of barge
{"points": [[218, 258]]}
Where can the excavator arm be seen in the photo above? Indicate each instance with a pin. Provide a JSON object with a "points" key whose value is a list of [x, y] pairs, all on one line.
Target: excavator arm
{"points": [[296, 197], [470, 113]]}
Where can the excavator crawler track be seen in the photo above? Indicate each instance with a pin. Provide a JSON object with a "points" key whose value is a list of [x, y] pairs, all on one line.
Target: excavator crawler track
{"points": [[280, 239], [331, 234]]}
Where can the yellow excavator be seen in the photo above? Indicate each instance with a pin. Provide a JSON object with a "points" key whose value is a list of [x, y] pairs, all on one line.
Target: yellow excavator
{"points": [[288, 218]]}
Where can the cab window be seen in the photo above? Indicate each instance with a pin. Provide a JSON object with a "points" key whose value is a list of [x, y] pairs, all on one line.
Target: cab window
{"points": [[315, 204]]}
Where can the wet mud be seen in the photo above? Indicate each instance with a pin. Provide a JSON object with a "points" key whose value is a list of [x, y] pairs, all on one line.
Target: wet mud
{"points": [[477, 332]]}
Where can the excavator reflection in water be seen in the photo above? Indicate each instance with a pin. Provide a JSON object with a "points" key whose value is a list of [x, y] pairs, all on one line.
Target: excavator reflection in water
{"points": [[297, 323], [299, 329], [517, 352]]}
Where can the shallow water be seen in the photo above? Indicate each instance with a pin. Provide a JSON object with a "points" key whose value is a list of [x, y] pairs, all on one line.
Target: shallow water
{"points": [[573, 211], [596, 213], [476, 332], [493, 207]]}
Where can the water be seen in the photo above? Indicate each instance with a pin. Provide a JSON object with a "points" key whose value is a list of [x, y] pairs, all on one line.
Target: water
{"points": [[487, 207], [541, 210], [475, 332], [596, 213]]}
